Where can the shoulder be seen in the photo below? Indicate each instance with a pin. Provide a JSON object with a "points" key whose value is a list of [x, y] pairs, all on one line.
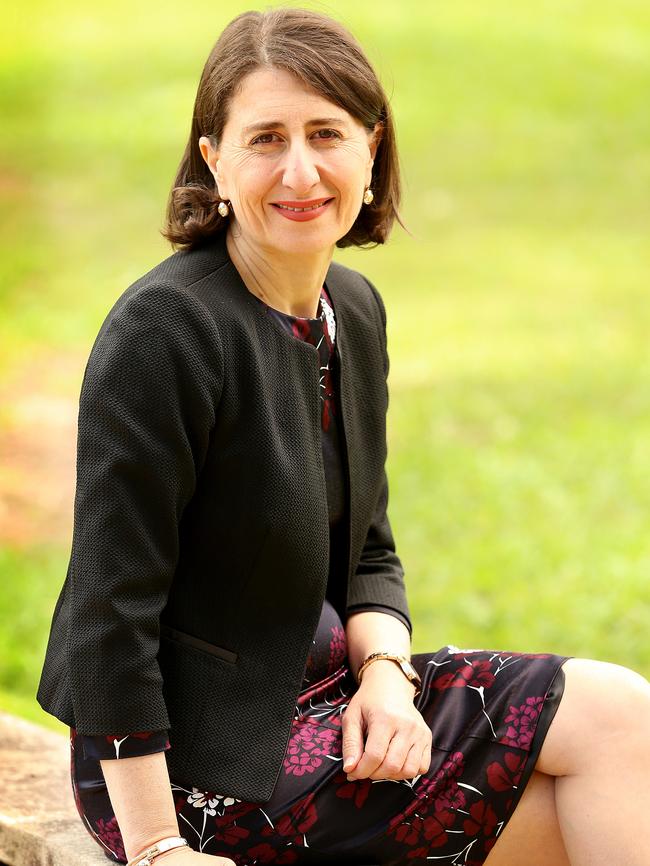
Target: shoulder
{"points": [[161, 333], [188, 271], [170, 298]]}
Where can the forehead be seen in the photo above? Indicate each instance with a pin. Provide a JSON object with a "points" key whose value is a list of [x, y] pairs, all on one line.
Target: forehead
{"points": [[277, 95]]}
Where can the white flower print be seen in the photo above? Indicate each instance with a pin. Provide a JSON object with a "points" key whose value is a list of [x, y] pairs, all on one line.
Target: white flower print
{"points": [[329, 317], [210, 803]]}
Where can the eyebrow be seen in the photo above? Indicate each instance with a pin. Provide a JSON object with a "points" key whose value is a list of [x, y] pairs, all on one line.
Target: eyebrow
{"points": [[266, 124]]}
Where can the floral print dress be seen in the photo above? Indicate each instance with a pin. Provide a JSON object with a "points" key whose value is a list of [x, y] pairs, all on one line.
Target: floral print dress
{"points": [[488, 711]]}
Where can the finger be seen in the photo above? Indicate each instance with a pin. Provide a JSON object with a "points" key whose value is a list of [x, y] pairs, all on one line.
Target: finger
{"points": [[396, 755], [413, 762], [352, 742], [377, 741], [425, 761]]}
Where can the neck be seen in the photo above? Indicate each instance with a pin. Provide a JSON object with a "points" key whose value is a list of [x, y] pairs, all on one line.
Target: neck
{"points": [[289, 282]]}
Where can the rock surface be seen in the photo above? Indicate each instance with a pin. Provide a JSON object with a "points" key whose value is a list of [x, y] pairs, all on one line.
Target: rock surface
{"points": [[39, 822]]}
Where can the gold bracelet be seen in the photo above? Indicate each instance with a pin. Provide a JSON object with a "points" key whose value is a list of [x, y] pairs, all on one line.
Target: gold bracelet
{"points": [[146, 857], [407, 668]]}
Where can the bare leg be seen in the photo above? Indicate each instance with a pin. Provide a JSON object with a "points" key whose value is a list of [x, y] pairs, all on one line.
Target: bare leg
{"points": [[598, 747], [532, 835]]}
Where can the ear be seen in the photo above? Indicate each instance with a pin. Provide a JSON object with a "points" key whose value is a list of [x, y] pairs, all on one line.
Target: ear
{"points": [[211, 157], [373, 144], [208, 152], [375, 139]]}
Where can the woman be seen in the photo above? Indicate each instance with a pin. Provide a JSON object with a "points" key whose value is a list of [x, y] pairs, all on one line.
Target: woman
{"points": [[233, 570]]}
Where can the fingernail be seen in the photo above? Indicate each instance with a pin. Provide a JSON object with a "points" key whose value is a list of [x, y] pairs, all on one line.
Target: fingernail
{"points": [[348, 763]]}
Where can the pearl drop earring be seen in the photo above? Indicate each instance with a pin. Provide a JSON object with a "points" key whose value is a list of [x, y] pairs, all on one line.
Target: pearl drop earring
{"points": [[223, 209], [368, 196]]}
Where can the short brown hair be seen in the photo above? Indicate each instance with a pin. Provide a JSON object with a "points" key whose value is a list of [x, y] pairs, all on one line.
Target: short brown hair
{"points": [[322, 53]]}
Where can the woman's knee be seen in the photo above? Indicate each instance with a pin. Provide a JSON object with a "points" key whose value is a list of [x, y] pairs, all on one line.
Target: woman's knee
{"points": [[604, 706]]}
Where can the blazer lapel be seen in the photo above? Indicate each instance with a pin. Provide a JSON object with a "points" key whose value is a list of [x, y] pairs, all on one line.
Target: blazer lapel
{"points": [[345, 386]]}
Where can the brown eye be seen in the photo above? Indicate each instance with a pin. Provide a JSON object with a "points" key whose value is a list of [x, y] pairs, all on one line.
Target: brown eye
{"points": [[332, 134], [264, 135]]}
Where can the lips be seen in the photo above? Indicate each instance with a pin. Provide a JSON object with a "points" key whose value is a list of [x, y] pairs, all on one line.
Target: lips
{"points": [[303, 211], [301, 206]]}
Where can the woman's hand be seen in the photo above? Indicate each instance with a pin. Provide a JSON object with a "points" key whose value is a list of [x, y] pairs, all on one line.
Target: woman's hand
{"points": [[398, 740], [186, 856]]}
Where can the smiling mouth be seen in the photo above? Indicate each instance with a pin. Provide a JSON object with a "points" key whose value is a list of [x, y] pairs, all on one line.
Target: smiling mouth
{"points": [[301, 209]]}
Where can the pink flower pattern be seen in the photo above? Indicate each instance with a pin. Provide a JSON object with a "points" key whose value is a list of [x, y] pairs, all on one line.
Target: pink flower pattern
{"points": [[309, 745], [337, 649], [454, 811], [506, 776], [475, 673], [109, 833], [523, 721], [483, 708]]}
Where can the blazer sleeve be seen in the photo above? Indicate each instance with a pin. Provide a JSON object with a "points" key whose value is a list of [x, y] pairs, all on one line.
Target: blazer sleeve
{"points": [[146, 410], [379, 577], [381, 608]]}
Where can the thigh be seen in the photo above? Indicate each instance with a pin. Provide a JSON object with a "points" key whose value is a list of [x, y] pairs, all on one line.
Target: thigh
{"points": [[532, 835], [603, 705]]}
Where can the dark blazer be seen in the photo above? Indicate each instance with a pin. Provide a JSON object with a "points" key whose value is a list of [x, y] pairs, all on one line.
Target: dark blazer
{"points": [[199, 557]]}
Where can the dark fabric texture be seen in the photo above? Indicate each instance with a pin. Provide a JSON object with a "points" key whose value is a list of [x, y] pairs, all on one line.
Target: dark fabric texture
{"points": [[321, 333], [488, 711], [200, 476]]}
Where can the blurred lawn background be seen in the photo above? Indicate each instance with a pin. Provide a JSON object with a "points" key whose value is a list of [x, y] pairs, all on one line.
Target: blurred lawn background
{"points": [[518, 310]]}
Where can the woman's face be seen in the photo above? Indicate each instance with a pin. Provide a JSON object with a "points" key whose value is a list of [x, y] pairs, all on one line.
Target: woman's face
{"points": [[285, 146]]}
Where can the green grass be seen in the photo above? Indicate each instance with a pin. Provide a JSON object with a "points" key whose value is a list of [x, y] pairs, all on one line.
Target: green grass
{"points": [[519, 455]]}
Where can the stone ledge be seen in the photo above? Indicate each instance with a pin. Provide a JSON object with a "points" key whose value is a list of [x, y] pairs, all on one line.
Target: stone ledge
{"points": [[39, 822]]}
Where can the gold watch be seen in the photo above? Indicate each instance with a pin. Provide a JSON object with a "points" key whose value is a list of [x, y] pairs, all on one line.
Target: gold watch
{"points": [[407, 668]]}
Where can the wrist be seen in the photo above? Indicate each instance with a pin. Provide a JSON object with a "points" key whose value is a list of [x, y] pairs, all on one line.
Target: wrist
{"points": [[137, 851], [172, 856], [386, 669]]}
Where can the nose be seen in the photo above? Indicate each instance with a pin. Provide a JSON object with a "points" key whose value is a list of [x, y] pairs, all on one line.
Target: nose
{"points": [[300, 172]]}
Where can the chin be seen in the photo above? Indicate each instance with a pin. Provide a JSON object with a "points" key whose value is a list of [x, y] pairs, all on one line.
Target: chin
{"points": [[294, 243]]}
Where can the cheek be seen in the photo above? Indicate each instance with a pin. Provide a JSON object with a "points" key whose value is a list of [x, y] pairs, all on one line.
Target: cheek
{"points": [[347, 173], [251, 181], [252, 186]]}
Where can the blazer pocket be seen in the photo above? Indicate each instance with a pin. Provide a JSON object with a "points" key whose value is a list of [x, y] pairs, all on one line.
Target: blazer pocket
{"points": [[190, 675], [182, 637]]}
